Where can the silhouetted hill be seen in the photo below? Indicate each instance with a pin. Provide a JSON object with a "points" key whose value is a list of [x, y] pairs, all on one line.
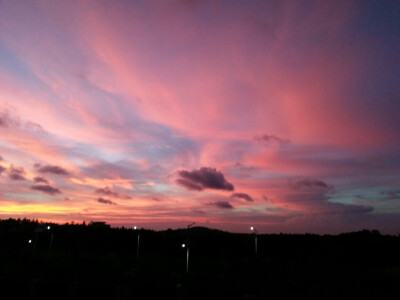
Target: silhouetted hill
{"points": [[79, 261]]}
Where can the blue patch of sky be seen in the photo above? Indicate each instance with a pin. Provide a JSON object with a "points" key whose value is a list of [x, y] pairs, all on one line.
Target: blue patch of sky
{"points": [[11, 64]]}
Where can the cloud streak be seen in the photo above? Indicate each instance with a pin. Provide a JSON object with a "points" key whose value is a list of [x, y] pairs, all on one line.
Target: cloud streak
{"points": [[108, 192], [310, 183], [105, 201], [39, 179], [221, 204], [243, 196], [51, 169], [47, 189], [269, 139]]}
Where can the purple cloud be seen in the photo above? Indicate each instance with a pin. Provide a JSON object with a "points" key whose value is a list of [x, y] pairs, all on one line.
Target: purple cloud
{"points": [[57, 170], [204, 178], [108, 192], [2, 169], [243, 196], [221, 204], [46, 189], [15, 173], [269, 138], [39, 179], [309, 183], [105, 201]]}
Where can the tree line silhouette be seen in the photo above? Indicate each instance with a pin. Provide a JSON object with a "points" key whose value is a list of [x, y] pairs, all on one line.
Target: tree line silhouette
{"points": [[79, 261]]}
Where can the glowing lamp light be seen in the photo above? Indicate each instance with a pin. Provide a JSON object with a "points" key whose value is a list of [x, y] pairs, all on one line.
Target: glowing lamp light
{"points": [[183, 245], [251, 228], [134, 227], [30, 242], [48, 227]]}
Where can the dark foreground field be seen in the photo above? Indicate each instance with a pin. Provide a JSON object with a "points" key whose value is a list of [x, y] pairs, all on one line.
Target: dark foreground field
{"points": [[97, 262]]}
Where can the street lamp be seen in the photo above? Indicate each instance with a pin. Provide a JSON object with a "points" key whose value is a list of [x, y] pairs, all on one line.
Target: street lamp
{"points": [[255, 238], [187, 248], [138, 240], [187, 257], [51, 238]]}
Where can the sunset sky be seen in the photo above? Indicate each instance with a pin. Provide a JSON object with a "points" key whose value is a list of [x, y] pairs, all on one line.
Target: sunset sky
{"points": [[283, 115]]}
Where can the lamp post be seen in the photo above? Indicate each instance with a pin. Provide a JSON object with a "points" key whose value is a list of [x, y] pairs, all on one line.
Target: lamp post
{"points": [[138, 241], [51, 238], [187, 249], [255, 238], [187, 257]]}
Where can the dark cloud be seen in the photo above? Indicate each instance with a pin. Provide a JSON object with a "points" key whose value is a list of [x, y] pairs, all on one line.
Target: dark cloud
{"points": [[270, 139], [46, 189], [198, 211], [243, 196], [221, 204], [204, 178], [108, 192], [15, 173], [190, 185], [105, 201], [39, 179], [309, 183], [51, 169], [265, 198], [2, 169]]}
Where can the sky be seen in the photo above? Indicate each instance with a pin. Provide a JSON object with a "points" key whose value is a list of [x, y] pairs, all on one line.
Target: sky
{"points": [[282, 115]]}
